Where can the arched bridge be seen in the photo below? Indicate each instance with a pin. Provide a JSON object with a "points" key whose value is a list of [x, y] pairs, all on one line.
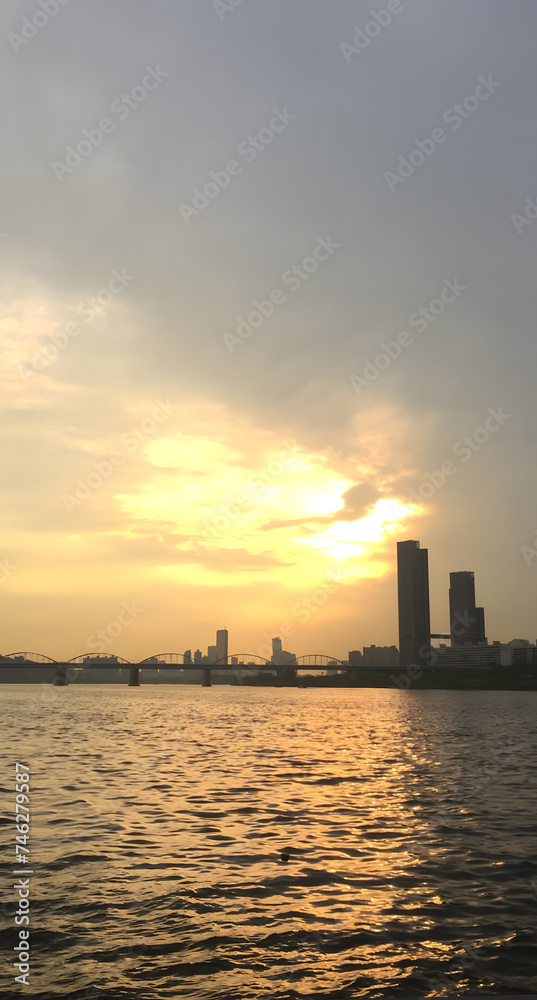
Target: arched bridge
{"points": [[66, 671]]}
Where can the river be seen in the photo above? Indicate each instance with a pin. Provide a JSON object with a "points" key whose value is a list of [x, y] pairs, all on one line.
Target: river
{"points": [[275, 843]]}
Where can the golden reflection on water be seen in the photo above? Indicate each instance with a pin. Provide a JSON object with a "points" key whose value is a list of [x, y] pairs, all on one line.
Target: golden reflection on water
{"points": [[161, 814]]}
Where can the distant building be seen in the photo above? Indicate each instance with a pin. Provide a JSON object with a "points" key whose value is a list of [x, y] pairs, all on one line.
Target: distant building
{"points": [[187, 656], [467, 623], [499, 654], [288, 658], [523, 654], [211, 654], [280, 656], [100, 658], [413, 603], [222, 645], [355, 658], [198, 656], [380, 656]]}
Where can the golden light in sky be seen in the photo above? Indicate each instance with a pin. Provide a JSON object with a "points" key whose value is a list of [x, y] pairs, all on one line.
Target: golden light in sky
{"points": [[205, 509], [281, 513]]}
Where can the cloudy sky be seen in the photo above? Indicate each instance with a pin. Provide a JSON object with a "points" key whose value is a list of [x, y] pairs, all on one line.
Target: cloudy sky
{"points": [[216, 219]]}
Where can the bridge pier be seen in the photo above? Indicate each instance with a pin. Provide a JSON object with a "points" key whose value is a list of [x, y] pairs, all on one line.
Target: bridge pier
{"points": [[134, 677], [60, 675], [279, 677], [206, 683]]}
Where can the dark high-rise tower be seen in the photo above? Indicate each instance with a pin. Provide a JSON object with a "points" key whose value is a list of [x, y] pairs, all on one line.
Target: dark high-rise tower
{"points": [[467, 623], [413, 601], [221, 645]]}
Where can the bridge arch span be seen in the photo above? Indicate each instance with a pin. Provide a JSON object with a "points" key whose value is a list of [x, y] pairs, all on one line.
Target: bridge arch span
{"points": [[166, 660], [244, 660], [93, 659], [30, 657], [315, 660]]}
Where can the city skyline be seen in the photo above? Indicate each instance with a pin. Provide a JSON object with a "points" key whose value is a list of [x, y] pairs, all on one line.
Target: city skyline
{"points": [[413, 622]]}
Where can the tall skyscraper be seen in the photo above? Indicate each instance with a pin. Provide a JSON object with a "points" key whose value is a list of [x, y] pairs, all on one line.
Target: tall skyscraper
{"points": [[221, 645], [276, 647], [467, 623], [413, 603]]}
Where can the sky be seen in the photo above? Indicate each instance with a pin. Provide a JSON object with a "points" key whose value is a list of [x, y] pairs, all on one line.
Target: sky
{"points": [[267, 308]]}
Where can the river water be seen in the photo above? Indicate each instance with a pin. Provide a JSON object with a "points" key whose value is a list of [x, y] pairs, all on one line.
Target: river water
{"points": [[159, 816]]}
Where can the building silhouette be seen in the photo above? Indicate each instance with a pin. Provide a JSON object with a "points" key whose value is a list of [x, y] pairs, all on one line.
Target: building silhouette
{"points": [[279, 655], [222, 645], [413, 603], [380, 656], [467, 623]]}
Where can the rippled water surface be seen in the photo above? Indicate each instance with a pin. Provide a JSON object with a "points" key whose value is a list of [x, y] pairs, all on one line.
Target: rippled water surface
{"points": [[160, 814]]}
